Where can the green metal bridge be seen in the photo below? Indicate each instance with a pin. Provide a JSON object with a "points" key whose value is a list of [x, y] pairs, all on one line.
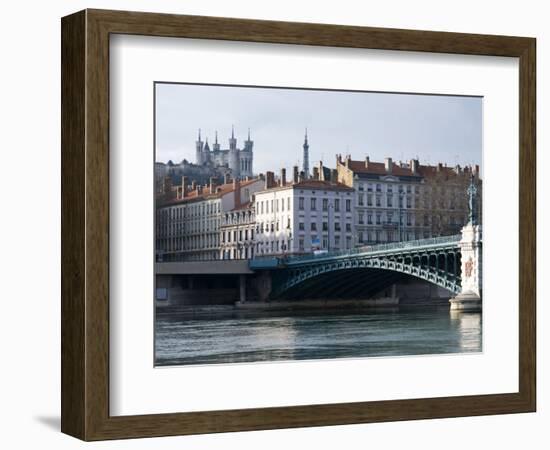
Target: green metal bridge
{"points": [[366, 269]]}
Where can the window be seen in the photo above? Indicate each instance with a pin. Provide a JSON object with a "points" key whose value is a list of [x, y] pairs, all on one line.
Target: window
{"points": [[409, 202], [336, 226], [348, 242], [288, 203], [301, 244], [378, 188], [337, 205], [325, 242], [325, 204], [409, 219], [325, 226], [390, 201], [390, 188], [360, 186], [369, 199], [378, 200], [369, 219], [301, 226], [348, 205], [360, 237], [361, 201], [313, 226], [408, 188], [348, 227], [369, 187], [337, 241], [313, 204], [301, 203], [378, 219], [361, 219]]}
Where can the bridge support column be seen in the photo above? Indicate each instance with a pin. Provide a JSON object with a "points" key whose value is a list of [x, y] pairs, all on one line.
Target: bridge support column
{"points": [[469, 299], [242, 288]]}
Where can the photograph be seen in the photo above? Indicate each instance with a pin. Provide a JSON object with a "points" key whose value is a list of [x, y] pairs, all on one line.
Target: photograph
{"points": [[306, 224]]}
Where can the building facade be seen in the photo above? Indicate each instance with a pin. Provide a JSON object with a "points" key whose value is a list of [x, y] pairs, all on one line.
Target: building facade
{"points": [[303, 216], [237, 233], [406, 201], [189, 218]]}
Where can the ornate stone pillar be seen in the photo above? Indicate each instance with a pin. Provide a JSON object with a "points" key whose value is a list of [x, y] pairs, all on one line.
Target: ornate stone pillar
{"points": [[469, 298]]}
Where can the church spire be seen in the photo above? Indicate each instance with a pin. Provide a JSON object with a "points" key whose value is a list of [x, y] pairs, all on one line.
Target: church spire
{"points": [[305, 167]]}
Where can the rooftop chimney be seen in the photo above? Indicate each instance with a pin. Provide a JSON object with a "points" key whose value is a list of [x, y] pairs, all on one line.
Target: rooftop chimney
{"points": [[269, 180], [321, 171], [367, 161], [388, 163], [348, 160], [183, 187], [414, 166], [295, 174], [166, 184], [237, 192], [283, 177]]}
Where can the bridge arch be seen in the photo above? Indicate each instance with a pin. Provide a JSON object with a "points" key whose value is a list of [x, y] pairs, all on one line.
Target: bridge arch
{"points": [[434, 269]]}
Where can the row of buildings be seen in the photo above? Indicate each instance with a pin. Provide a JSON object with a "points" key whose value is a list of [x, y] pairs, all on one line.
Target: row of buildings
{"points": [[359, 202]]}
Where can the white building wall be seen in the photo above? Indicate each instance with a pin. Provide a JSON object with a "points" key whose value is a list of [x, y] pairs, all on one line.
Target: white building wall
{"points": [[314, 216]]}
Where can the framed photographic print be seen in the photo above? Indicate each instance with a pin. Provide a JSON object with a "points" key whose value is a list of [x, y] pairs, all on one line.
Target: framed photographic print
{"points": [[271, 224]]}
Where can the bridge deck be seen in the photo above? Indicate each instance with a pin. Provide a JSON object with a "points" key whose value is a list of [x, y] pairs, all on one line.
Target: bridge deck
{"points": [[368, 250]]}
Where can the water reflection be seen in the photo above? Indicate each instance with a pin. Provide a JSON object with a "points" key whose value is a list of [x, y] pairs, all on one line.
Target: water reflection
{"points": [[229, 336], [469, 329]]}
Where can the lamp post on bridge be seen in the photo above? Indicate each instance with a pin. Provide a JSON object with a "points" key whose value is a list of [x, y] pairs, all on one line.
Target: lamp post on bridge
{"points": [[469, 299]]}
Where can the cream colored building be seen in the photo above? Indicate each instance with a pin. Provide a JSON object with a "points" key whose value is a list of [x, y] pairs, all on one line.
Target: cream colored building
{"points": [[303, 216], [188, 222]]}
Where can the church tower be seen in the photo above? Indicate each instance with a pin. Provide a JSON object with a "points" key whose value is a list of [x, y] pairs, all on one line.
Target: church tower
{"points": [[199, 146], [216, 145], [234, 162], [305, 167], [206, 153]]}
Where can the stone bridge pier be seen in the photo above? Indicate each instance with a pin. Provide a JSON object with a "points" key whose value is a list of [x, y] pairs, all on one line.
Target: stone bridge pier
{"points": [[469, 298]]}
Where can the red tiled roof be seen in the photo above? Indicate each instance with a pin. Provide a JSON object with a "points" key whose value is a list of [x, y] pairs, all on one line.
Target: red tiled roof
{"points": [[379, 168], [311, 184], [218, 191]]}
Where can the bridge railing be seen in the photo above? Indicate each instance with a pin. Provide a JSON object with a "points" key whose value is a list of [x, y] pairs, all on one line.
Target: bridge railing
{"points": [[402, 245]]}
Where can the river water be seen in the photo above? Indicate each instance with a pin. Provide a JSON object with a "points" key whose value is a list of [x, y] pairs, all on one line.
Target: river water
{"points": [[233, 336]]}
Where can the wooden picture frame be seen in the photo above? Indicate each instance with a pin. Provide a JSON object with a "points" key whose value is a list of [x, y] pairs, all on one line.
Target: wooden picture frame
{"points": [[85, 224]]}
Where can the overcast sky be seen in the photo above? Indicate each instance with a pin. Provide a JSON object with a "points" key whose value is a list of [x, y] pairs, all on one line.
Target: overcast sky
{"points": [[433, 128]]}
